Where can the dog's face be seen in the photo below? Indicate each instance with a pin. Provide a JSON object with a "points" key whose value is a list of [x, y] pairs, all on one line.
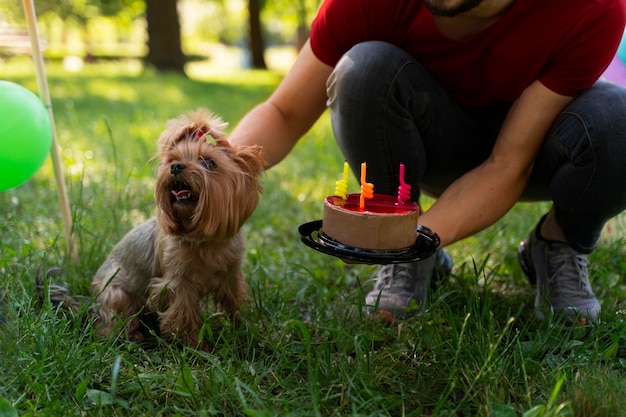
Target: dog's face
{"points": [[207, 190]]}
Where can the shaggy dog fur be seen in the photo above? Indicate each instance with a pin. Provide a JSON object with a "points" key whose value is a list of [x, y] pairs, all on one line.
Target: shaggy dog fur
{"points": [[193, 247]]}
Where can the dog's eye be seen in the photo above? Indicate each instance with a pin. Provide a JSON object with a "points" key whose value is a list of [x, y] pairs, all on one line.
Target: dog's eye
{"points": [[208, 164]]}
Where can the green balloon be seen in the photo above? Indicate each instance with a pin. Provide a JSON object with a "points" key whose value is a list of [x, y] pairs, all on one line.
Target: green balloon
{"points": [[25, 134]]}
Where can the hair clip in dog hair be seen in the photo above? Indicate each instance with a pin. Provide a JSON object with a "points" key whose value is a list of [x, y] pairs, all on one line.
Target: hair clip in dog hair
{"points": [[201, 135]]}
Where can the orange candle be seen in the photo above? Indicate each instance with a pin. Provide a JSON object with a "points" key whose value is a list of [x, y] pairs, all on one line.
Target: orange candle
{"points": [[367, 188]]}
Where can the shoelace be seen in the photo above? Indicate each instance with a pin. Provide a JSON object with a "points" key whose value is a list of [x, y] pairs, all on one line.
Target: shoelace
{"points": [[569, 273]]}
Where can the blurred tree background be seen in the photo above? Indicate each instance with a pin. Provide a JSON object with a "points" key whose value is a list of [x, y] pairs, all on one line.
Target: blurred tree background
{"points": [[164, 34]]}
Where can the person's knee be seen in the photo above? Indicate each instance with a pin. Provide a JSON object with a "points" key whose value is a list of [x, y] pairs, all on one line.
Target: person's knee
{"points": [[602, 108], [360, 68]]}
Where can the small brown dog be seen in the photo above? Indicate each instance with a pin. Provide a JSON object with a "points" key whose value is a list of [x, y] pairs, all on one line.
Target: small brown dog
{"points": [[194, 246]]}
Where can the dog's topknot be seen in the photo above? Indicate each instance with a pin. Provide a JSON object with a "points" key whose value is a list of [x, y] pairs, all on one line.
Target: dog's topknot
{"points": [[192, 126]]}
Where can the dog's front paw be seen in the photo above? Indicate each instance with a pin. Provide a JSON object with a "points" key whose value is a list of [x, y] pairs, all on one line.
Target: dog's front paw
{"points": [[136, 336]]}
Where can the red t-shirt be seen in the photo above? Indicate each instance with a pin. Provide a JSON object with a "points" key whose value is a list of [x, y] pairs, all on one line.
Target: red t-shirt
{"points": [[566, 44]]}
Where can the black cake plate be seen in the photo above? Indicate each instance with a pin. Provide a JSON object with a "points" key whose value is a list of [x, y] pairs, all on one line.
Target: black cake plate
{"points": [[425, 245]]}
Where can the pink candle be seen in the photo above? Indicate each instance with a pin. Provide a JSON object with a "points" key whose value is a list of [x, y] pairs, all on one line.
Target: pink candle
{"points": [[404, 190]]}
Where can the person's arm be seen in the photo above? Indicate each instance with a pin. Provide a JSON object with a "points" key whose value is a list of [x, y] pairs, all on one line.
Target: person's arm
{"points": [[289, 112], [482, 196]]}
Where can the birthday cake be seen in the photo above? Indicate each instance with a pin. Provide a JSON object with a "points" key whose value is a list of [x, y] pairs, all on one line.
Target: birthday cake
{"points": [[383, 223]]}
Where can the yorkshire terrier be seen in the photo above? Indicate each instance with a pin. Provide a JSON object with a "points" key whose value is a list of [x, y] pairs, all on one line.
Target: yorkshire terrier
{"points": [[194, 247]]}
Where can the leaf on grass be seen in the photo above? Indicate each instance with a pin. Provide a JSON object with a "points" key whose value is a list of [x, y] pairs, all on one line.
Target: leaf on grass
{"points": [[611, 352], [536, 411], [7, 409], [184, 381], [98, 397], [81, 389]]}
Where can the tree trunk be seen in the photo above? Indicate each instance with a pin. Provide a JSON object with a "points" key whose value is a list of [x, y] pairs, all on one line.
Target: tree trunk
{"points": [[164, 44], [302, 31], [256, 36]]}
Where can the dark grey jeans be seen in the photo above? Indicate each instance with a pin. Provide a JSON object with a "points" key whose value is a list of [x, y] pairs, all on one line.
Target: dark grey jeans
{"points": [[387, 109]]}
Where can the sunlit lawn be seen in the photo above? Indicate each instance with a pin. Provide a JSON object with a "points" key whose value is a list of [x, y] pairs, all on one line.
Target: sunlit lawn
{"points": [[308, 347]]}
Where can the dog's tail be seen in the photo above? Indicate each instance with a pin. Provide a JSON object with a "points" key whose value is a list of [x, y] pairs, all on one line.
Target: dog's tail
{"points": [[58, 294]]}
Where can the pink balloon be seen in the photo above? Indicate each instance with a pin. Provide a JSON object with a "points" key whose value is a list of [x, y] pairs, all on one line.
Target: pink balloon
{"points": [[616, 72]]}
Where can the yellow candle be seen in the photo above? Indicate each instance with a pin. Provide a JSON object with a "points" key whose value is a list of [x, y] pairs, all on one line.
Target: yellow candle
{"points": [[341, 186]]}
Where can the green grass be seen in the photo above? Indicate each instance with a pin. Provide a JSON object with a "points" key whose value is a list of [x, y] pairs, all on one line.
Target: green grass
{"points": [[308, 349]]}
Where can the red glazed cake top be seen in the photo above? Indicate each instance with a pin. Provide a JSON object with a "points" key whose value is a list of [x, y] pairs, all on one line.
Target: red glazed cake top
{"points": [[380, 204]]}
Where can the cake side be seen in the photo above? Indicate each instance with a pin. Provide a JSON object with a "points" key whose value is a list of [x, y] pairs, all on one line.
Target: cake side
{"points": [[383, 224]]}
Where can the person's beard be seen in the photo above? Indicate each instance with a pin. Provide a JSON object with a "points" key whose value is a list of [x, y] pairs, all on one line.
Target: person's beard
{"points": [[438, 7]]}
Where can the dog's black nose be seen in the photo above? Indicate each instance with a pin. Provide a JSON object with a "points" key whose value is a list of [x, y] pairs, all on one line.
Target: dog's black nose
{"points": [[177, 168]]}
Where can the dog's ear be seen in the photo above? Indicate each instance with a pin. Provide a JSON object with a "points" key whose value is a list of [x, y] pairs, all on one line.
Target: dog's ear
{"points": [[250, 158]]}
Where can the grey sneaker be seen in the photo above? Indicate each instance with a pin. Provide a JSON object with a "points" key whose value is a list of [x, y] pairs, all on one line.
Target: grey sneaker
{"points": [[561, 277], [401, 289]]}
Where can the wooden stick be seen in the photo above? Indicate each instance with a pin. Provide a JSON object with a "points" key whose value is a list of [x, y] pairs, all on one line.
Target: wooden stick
{"points": [[44, 95]]}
